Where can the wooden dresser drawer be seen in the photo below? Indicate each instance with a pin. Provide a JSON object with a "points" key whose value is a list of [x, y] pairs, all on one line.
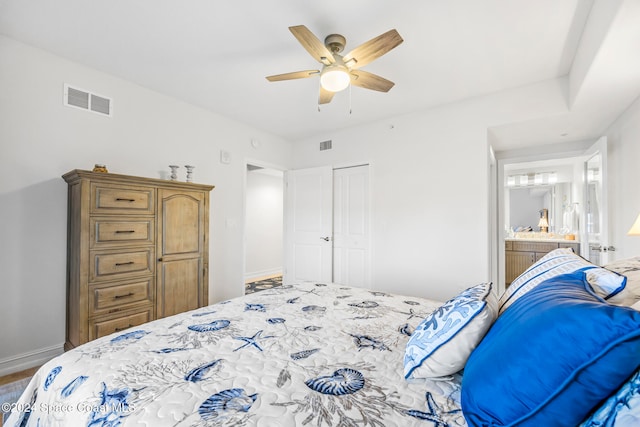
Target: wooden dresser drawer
{"points": [[106, 231], [111, 199], [112, 265], [120, 296], [101, 328]]}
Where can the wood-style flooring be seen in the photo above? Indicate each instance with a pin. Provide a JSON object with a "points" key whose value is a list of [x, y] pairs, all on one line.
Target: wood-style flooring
{"points": [[18, 375]]}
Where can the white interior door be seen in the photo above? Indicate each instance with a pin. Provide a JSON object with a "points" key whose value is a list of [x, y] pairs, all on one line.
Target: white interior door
{"points": [[351, 226], [595, 231], [309, 225]]}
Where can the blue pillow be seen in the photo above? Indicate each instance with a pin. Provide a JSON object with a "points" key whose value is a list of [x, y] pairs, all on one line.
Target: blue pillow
{"points": [[443, 341], [553, 357]]}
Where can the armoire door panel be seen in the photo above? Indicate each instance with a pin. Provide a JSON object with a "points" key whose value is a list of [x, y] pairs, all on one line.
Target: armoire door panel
{"points": [[180, 282], [181, 264], [181, 223]]}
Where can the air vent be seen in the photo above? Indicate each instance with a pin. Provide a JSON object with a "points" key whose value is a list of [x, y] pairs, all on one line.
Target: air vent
{"points": [[79, 98], [325, 145]]}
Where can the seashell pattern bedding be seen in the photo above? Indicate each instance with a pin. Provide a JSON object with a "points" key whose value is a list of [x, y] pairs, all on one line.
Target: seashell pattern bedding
{"points": [[306, 354]]}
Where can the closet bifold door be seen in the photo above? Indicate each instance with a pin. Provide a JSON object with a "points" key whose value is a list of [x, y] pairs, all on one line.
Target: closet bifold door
{"points": [[181, 251]]}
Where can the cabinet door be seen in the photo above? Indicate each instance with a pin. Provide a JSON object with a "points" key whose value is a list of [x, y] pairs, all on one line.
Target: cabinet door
{"points": [[181, 234], [516, 264]]}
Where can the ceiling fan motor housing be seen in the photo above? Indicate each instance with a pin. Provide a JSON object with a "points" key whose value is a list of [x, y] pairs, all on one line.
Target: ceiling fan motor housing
{"points": [[335, 43]]}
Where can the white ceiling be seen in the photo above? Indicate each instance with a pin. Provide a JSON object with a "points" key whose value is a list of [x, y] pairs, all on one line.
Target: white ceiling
{"points": [[216, 54]]}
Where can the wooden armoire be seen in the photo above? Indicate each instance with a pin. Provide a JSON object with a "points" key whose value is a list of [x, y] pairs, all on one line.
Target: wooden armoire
{"points": [[137, 250]]}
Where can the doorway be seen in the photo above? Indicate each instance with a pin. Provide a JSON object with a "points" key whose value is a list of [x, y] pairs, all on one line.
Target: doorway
{"points": [[264, 219], [559, 180]]}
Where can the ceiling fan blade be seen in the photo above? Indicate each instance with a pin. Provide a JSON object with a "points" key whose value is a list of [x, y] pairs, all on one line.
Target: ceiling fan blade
{"points": [[294, 75], [325, 96], [371, 81], [312, 44], [373, 49]]}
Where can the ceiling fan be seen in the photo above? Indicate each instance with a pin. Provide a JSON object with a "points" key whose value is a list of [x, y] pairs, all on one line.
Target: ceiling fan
{"points": [[338, 71]]}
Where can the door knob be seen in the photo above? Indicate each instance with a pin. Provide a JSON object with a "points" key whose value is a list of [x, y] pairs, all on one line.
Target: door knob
{"points": [[598, 248], [326, 239]]}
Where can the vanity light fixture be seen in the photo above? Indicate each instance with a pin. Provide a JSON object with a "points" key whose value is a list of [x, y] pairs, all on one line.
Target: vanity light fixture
{"points": [[532, 179], [543, 224]]}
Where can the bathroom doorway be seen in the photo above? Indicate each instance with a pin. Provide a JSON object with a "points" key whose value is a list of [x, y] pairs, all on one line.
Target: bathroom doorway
{"points": [[561, 176]]}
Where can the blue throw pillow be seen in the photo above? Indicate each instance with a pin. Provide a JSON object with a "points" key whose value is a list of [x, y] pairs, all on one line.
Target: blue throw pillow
{"points": [[556, 354], [443, 341]]}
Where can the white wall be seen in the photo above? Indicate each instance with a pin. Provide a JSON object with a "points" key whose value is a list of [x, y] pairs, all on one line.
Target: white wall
{"points": [[420, 205], [264, 223], [624, 180], [40, 139], [430, 186]]}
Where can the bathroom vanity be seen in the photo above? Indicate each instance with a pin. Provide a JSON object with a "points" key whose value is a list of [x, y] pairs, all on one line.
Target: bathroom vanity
{"points": [[520, 253]]}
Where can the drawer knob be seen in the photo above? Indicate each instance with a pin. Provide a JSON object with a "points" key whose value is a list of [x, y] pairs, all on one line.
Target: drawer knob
{"points": [[122, 329], [120, 199], [125, 231]]}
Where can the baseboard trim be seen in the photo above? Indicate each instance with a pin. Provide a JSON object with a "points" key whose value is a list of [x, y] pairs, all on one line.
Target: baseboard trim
{"points": [[254, 275], [28, 360]]}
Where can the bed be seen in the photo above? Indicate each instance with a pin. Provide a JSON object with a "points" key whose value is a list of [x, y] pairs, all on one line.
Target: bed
{"points": [[316, 354]]}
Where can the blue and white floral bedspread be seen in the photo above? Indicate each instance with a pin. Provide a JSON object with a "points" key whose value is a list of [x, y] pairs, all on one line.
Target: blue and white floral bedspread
{"points": [[307, 354]]}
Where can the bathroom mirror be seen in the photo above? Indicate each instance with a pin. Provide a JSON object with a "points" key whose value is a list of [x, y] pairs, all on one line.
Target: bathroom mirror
{"points": [[555, 185], [525, 204]]}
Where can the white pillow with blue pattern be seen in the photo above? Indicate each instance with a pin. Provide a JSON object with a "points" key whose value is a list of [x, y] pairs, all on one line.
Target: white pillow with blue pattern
{"points": [[604, 283], [443, 341]]}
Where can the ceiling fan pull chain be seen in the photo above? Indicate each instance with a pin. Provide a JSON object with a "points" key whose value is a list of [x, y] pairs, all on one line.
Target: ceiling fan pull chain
{"points": [[349, 99]]}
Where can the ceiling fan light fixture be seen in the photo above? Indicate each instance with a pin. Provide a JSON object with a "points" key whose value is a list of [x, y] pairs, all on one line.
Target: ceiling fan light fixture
{"points": [[335, 78]]}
